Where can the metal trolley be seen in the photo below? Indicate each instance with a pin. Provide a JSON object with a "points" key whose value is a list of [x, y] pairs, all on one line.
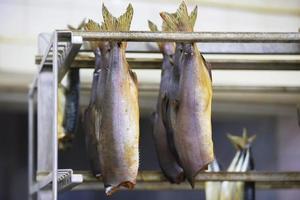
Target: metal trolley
{"points": [[46, 180]]}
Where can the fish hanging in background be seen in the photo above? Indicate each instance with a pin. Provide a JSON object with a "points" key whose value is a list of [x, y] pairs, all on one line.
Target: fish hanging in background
{"points": [[92, 116], [68, 104], [242, 162], [213, 188], [190, 112], [119, 127], [167, 159]]}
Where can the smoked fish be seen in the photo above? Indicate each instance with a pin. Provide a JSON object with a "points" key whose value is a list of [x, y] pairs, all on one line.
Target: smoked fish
{"points": [[190, 112], [92, 114], [119, 126], [167, 160]]}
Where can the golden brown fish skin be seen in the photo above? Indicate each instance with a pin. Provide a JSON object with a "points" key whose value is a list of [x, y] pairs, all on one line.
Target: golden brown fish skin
{"points": [[167, 159], [193, 132], [119, 137]]}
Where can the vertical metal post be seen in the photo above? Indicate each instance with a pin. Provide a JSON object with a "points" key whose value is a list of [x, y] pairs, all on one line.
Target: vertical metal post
{"points": [[30, 142], [54, 135]]}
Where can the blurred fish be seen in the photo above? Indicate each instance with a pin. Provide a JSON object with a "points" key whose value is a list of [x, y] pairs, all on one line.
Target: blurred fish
{"points": [[242, 162], [61, 102], [68, 104], [167, 160], [119, 127], [92, 113], [190, 112], [213, 188]]}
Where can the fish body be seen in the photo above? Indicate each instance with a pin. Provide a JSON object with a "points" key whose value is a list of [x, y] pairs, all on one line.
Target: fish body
{"points": [[119, 127], [193, 132], [91, 119], [167, 160], [72, 103], [190, 110], [242, 162]]}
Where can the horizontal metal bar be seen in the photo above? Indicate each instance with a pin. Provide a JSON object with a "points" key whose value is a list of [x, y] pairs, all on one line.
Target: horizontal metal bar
{"points": [[162, 186], [154, 180], [41, 183], [139, 36], [252, 176], [230, 62], [68, 56]]}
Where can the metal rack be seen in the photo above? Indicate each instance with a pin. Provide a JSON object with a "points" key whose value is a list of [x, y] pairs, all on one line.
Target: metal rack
{"points": [[62, 54]]}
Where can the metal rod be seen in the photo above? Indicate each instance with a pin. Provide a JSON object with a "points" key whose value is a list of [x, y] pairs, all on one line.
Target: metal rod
{"points": [[55, 109], [223, 63], [252, 176], [68, 58], [139, 36], [155, 180], [30, 143]]}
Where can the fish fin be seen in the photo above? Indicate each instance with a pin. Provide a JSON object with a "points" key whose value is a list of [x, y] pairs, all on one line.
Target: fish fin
{"points": [[173, 108], [93, 26], [154, 28], [134, 77], [169, 113], [207, 66], [170, 20], [243, 142], [164, 107], [79, 27], [193, 16], [122, 23], [162, 45], [181, 20]]}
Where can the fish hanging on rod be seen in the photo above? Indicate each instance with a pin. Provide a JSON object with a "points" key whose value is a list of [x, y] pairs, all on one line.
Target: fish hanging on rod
{"points": [[242, 162], [119, 127], [68, 104], [167, 160], [92, 113], [190, 112], [213, 188]]}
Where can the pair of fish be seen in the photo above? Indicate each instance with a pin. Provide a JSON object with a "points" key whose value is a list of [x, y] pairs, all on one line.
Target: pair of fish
{"points": [[241, 162], [182, 121], [112, 117]]}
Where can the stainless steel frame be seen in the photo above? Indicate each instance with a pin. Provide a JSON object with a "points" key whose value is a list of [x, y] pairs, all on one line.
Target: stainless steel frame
{"points": [[59, 64]]}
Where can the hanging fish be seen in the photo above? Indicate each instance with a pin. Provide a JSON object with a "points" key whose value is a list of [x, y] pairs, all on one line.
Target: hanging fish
{"points": [[167, 159], [213, 188], [190, 112], [119, 127], [68, 104], [92, 114], [242, 162], [61, 102]]}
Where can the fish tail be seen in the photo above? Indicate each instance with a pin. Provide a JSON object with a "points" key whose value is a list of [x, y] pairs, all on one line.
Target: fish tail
{"points": [[154, 28], [93, 26], [121, 23], [180, 20], [164, 47]]}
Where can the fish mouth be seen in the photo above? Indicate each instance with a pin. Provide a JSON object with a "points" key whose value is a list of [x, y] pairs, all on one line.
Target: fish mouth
{"points": [[110, 189]]}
